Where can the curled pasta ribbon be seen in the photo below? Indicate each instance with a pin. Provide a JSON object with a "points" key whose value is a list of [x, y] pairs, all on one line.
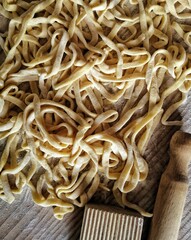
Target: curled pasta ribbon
{"points": [[83, 86], [14, 168]]}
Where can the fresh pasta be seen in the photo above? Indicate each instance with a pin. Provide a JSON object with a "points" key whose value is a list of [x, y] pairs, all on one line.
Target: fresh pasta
{"points": [[82, 89]]}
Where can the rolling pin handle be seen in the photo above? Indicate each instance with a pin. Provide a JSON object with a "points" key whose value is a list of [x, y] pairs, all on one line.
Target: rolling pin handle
{"points": [[172, 191]]}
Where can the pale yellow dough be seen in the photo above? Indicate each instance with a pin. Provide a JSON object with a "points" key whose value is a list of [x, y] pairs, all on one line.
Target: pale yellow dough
{"points": [[82, 89]]}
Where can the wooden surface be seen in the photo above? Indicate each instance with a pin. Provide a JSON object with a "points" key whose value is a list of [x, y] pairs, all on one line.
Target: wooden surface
{"points": [[24, 220]]}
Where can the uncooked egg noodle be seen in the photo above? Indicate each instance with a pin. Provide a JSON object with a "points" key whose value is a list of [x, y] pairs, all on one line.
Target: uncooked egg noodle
{"points": [[82, 89]]}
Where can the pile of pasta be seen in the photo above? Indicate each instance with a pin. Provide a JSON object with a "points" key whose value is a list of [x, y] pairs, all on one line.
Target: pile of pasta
{"points": [[82, 89]]}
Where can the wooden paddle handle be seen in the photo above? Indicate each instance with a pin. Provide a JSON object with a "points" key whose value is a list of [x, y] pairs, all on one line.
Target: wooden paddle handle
{"points": [[172, 191]]}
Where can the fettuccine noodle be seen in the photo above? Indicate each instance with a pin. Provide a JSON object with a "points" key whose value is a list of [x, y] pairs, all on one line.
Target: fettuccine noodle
{"points": [[82, 89]]}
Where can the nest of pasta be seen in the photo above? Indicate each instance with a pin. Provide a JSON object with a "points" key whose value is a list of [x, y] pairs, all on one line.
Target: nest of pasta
{"points": [[82, 89]]}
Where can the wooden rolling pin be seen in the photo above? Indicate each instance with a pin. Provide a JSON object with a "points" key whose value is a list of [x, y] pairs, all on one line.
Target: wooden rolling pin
{"points": [[172, 191]]}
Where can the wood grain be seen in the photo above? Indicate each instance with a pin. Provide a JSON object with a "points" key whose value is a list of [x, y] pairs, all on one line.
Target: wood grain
{"points": [[23, 220]]}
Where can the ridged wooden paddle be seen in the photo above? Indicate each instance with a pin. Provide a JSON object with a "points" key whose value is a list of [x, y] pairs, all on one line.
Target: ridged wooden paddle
{"points": [[101, 222]]}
